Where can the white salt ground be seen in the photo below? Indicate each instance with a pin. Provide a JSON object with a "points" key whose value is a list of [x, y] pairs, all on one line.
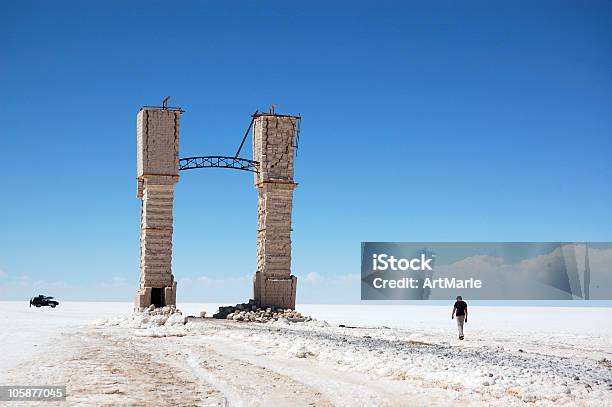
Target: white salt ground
{"points": [[397, 355]]}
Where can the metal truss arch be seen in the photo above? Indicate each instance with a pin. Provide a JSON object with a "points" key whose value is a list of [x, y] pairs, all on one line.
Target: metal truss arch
{"points": [[218, 161]]}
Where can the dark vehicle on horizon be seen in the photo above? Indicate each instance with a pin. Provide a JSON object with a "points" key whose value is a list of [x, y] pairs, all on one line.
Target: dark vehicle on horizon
{"points": [[43, 301]]}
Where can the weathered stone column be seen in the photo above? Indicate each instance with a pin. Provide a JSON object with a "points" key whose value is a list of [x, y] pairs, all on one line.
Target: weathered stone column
{"points": [[273, 146], [157, 140]]}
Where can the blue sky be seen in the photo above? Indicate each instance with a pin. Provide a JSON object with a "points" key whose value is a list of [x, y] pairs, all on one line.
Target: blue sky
{"points": [[453, 121]]}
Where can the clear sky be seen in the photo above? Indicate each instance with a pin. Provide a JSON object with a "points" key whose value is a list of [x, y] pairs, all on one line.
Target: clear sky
{"points": [[423, 121]]}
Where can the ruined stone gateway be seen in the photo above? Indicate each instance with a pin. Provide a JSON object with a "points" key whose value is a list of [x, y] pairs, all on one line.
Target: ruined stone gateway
{"points": [[274, 144]]}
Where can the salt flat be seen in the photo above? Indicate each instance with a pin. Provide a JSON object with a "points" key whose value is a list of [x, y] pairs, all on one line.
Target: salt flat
{"points": [[395, 355]]}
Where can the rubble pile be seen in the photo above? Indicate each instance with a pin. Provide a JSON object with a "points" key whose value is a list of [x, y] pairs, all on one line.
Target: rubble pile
{"points": [[151, 317], [167, 310], [251, 312], [168, 315]]}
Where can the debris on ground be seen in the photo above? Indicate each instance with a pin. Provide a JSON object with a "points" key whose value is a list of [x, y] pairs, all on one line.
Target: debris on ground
{"points": [[251, 312]]}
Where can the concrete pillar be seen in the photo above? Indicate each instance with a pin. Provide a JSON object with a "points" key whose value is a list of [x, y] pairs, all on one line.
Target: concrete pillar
{"points": [[273, 148], [157, 143]]}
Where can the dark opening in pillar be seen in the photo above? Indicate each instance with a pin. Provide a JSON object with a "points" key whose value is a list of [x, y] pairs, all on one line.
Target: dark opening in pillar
{"points": [[157, 297]]}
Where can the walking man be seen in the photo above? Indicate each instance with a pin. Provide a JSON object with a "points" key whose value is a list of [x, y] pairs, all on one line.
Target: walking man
{"points": [[460, 310]]}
